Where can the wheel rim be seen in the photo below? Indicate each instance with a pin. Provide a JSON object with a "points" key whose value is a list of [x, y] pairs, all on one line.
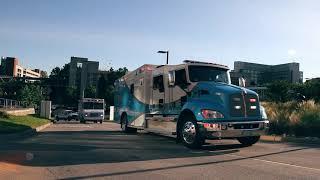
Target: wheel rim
{"points": [[189, 132]]}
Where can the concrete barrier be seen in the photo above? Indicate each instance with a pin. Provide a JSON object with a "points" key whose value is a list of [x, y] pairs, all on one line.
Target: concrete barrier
{"points": [[19, 111]]}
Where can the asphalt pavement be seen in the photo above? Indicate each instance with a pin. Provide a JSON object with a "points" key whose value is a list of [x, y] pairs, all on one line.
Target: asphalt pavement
{"points": [[101, 151]]}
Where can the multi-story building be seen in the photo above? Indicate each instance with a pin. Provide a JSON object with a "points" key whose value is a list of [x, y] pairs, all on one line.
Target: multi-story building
{"points": [[261, 74], [83, 73], [10, 67]]}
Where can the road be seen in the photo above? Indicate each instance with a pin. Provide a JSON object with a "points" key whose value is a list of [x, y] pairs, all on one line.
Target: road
{"points": [[102, 151]]}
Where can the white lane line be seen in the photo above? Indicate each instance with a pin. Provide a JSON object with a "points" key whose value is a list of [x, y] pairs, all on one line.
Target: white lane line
{"points": [[274, 162]]}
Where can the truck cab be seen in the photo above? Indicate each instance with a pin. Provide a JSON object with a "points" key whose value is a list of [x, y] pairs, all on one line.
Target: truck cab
{"points": [[193, 101]]}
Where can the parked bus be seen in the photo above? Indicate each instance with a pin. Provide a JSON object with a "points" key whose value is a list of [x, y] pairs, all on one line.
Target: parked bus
{"points": [[193, 101], [91, 109]]}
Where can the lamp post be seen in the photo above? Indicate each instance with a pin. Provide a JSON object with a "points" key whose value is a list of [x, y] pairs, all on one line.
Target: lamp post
{"points": [[165, 52]]}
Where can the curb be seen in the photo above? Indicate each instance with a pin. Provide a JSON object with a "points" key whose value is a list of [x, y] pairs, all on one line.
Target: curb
{"points": [[40, 128], [26, 133], [279, 139]]}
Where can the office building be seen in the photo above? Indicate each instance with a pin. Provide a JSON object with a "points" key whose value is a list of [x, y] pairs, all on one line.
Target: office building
{"points": [[261, 74], [83, 73], [10, 67]]}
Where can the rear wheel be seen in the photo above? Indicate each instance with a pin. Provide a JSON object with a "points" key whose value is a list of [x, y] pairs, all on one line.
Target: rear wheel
{"points": [[190, 134], [82, 120], [124, 125], [248, 141]]}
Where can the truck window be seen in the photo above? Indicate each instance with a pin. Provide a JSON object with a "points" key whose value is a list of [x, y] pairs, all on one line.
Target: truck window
{"points": [[158, 83], [180, 77]]}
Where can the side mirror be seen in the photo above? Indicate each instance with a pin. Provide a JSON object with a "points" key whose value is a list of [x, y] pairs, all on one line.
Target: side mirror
{"points": [[171, 78], [242, 82]]}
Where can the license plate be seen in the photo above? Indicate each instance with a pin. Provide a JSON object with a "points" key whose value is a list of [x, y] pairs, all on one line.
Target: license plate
{"points": [[246, 133]]}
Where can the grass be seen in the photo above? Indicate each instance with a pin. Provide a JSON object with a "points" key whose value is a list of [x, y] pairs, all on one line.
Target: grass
{"points": [[294, 118], [13, 124]]}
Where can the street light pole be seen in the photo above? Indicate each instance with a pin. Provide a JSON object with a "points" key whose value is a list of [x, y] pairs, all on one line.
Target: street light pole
{"points": [[165, 52]]}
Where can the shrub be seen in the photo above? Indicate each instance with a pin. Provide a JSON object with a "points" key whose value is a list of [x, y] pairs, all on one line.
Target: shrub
{"points": [[4, 115], [292, 118]]}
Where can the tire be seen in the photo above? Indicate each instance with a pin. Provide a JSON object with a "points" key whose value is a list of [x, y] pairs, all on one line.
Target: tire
{"points": [[101, 122], [249, 141], [95, 121], [124, 125], [57, 118], [190, 135], [82, 121]]}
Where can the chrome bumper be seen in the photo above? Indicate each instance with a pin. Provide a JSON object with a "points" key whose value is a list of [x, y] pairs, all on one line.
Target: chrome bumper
{"points": [[87, 118], [233, 129]]}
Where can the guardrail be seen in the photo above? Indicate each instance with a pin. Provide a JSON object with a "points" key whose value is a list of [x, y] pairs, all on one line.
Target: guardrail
{"points": [[11, 104]]}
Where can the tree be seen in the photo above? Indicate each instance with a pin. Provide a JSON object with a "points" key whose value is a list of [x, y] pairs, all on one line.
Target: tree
{"points": [[44, 74], [31, 94], [105, 87], [90, 92], [278, 91], [101, 87]]}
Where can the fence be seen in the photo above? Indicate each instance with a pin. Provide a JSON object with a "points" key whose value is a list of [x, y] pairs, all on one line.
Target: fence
{"points": [[11, 104]]}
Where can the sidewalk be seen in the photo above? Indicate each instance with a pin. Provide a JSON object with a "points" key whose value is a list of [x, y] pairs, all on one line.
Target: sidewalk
{"points": [[279, 139]]}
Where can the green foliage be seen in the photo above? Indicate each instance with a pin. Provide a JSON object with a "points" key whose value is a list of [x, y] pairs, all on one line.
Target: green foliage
{"points": [[31, 93], [312, 90], [105, 86], [3, 115], [293, 118], [283, 91], [90, 92]]}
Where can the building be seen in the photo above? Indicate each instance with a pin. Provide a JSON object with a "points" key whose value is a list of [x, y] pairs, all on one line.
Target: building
{"points": [[10, 67], [83, 73], [261, 74]]}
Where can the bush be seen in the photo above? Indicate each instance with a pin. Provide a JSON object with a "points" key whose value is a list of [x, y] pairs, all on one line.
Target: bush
{"points": [[4, 115], [293, 118]]}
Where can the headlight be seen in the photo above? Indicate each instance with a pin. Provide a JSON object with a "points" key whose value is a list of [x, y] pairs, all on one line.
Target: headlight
{"points": [[101, 115], [211, 114], [263, 113], [86, 115]]}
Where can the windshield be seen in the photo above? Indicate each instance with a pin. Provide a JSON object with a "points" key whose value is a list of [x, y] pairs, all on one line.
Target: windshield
{"points": [[92, 105], [208, 73]]}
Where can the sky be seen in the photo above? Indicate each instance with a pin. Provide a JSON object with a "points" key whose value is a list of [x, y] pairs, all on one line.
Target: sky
{"points": [[128, 33]]}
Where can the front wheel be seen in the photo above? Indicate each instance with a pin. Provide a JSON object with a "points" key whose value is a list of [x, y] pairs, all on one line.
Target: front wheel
{"points": [[248, 141], [124, 125], [190, 134]]}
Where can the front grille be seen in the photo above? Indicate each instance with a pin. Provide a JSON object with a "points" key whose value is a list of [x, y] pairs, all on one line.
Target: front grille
{"points": [[246, 126], [236, 106], [253, 108], [241, 106], [94, 114]]}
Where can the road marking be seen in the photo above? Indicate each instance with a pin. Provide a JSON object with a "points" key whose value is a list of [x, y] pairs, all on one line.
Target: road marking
{"points": [[274, 162]]}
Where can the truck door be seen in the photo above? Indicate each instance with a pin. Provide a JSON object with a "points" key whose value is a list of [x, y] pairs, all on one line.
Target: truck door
{"points": [[162, 118], [158, 95]]}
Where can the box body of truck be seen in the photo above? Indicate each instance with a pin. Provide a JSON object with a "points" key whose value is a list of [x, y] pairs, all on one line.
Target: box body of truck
{"points": [[193, 101], [91, 109]]}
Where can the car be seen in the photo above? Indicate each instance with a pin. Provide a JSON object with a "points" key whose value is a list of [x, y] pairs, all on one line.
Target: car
{"points": [[73, 116], [66, 115]]}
